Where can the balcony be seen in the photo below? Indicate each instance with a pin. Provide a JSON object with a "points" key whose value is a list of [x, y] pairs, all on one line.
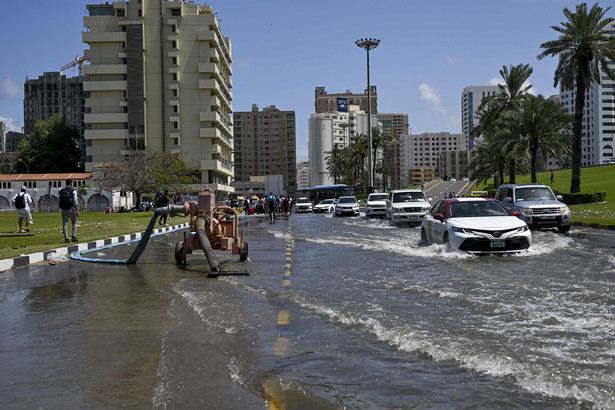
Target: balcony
{"points": [[102, 69], [105, 118], [103, 37], [106, 134], [215, 165], [105, 85]]}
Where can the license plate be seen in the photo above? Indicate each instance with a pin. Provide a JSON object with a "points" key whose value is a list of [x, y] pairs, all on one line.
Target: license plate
{"points": [[413, 217], [500, 243], [547, 217]]}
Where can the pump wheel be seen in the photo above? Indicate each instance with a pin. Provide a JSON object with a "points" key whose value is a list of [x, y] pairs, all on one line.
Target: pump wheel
{"points": [[243, 253], [180, 255]]}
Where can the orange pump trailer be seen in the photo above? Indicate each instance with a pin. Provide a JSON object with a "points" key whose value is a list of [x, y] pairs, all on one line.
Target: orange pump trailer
{"points": [[211, 227]]}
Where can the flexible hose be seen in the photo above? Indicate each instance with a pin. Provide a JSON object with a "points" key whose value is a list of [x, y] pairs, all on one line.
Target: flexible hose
{"points": [[166, 210]]}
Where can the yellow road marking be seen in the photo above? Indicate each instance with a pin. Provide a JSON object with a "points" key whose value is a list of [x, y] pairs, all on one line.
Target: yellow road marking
{"points": [[283, 317]]}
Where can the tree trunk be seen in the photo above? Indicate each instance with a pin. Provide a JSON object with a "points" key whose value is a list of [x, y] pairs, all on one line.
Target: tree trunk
{"points": [[577, 136], [533, 152], [512, 171]]}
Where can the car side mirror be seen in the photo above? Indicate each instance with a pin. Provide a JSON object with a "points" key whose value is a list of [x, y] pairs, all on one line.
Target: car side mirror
{"points": [[429, 199], [507, 199], [439, 217], [560, 198], [516, 213]]}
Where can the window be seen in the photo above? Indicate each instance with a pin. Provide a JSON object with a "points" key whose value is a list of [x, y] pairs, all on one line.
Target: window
{"points": [[176, 12]]}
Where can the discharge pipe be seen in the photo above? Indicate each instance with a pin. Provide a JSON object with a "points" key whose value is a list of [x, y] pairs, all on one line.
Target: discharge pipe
{"points": [[202, 223]]}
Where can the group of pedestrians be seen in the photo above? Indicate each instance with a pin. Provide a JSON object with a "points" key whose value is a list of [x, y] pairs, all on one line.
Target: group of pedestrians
{"points": [[68, 203]]}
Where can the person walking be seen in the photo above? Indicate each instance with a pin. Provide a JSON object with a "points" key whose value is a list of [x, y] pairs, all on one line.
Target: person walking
{"points": [[163, 201], [246, 206], [552, 176], [22, 201], [271, 206], [69, 207]]}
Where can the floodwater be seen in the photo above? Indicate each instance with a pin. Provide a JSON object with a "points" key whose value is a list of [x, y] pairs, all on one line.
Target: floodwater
{"points": [[336, 313]]}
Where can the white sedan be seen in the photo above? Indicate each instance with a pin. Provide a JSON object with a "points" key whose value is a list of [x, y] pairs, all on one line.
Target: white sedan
{"points": [[326, 205], [347, 205], [475, 225]]}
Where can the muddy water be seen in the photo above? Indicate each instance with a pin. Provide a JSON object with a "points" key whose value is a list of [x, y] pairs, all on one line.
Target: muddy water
{"points": [[336, 312]]}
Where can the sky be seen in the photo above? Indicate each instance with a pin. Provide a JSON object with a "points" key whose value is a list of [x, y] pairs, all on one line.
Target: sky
{"points": [[282, 50]]}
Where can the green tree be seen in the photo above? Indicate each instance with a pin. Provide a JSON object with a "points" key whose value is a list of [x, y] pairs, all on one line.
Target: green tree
{"points": [[584, 48], [543, 125], [53, 147], [335, 163], [147, 171], [494, 111], [380, 142]]}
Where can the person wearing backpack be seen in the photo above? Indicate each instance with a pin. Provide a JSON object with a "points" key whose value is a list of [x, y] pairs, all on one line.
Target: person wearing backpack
{"points": [[69, 207], [161, 202], [22, 201]]}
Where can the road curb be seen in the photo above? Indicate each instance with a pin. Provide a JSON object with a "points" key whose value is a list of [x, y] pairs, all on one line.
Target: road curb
{"points": [[24, 260], [595, 226]]}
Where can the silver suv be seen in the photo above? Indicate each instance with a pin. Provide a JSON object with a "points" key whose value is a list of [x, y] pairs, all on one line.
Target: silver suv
{"points": [[538, 205]]}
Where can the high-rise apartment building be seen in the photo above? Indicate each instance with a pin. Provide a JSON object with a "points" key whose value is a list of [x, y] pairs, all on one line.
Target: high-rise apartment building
{"points": [[265, 144], [470, 101], [54, 93], [598, 118], [303, 175], [159, 78], [393, 125], [324, 102], [332, 130], [423, 151]]}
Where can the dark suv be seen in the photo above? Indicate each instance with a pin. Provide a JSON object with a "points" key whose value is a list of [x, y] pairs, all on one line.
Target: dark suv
{"points": [[538, 205]]}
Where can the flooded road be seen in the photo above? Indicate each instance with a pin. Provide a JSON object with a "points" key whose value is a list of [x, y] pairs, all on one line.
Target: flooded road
{"points": [[336, 313]]}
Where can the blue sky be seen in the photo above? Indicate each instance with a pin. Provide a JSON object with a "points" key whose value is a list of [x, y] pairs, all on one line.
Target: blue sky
{"points": [[282, 50]]}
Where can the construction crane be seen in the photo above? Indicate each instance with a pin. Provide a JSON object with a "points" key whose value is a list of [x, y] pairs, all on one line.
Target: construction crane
{"points": [[78, 61]]}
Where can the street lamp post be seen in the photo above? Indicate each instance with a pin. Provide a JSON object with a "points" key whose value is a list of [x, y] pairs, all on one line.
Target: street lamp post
{"points": [[24, 162], [369, 44]]}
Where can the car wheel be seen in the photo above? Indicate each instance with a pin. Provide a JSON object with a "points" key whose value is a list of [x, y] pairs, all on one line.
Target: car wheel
{"points": [[563, 228], [423, 235], [445, 239]]}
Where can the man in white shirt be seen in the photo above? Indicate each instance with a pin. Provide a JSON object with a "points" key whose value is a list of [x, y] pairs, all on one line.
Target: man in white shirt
{"points": [[22, 201]]}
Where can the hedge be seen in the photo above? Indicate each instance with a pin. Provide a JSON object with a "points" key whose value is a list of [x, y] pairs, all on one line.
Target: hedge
{"points": [[583, 198]]}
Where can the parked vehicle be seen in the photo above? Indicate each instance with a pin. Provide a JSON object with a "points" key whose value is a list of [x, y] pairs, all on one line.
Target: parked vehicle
{"points": [[476, 225], [537, 204], [376, 204], [303, 205], [326, 205], [406, 205], [347, 205]]}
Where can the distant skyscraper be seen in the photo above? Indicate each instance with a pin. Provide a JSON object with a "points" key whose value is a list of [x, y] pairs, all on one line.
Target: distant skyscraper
{"points": [[53, 93], [470, 101], [393, 125], [265, 144], [324, 102], [303, 175], [159, 78]]}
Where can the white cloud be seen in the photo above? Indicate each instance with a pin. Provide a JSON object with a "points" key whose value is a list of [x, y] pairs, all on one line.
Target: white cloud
{"points": [[429, 94], [444, 116], [451, 60], [9, 89], [11, 124]]}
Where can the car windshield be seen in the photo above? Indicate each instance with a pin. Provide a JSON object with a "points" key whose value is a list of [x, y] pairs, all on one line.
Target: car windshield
{"points": [[326, 202], [534, 194], [408, 197], [303, 201], [472, 209], [347, 200], [377, 197]]}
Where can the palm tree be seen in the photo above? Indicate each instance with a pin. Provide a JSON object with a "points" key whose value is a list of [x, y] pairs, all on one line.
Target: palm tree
{"points": [[494, 109], [543, 125], [335, 163], [584, 48], [380, 142]]}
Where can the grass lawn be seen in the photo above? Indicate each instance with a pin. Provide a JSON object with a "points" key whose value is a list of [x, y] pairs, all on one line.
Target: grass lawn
{"points": [[46, 232], [593, 179]]}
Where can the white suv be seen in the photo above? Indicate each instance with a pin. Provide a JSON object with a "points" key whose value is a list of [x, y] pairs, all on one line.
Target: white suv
{"points": [[376, 204], [538, 205], [407, 205]]}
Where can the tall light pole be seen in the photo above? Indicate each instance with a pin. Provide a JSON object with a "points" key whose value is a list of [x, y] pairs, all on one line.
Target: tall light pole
{"points": [[24, 162], [369, 44]]}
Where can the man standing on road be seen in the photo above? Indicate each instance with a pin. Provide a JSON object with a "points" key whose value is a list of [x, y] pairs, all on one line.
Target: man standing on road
{"points": [[69, 206], [22, 201]]}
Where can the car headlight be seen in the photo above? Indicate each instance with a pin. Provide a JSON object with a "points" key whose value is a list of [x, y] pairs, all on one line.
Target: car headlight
{"points": [[461, 230], [523, 228], [565, 209], [525, 211], [398, 210]]}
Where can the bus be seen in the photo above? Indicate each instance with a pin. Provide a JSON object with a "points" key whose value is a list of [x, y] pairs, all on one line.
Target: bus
{"points": [[318, 193]]}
